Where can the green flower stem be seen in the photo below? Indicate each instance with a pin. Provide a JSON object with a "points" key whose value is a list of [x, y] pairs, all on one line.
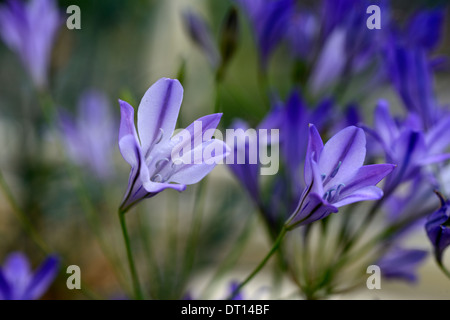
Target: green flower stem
{"points": [[443, 268], [274, 249], [134, 275]]}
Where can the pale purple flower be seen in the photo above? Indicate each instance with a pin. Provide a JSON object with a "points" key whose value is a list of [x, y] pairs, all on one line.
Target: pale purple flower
{"points": [[150, 154], [335, 175], [90, 137], [19, 282], [29, 29]]}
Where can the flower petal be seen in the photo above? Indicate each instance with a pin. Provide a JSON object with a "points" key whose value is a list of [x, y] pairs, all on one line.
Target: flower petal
{"points": [[156, 187], [363, 194], [401, 263], [367, 176], [128, 139], [5, 288], [313, 151], [42, 279], [437, 137], [158, 113], [17, 273], [192, 173], [331, 62], [343, 155], [199, 131], [385, 125]]}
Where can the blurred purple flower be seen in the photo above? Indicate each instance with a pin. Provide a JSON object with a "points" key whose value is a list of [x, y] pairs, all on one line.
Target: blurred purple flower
{"points": [[331, 62], [302, 33], [18, 282], [89, 139], [29, 29], [345, 46], [425, 29], [152, 167], [406, 145], [401, 264], [409, 71], [270, 21], [335, 176], [247, 173], [201, 34], [294, 129], [438, 229]]}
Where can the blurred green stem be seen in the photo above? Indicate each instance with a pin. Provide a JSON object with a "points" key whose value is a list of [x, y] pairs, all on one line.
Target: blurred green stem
{"points": [[92, 217], [232, 257], [191, 247], [21, 216], [31, 231], [443, 268], [133, 271], [274, 249], [48, 108]]}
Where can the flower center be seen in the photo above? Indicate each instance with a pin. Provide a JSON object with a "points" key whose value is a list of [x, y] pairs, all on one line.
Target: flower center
{"points": [[333, 193], [163, 171]]}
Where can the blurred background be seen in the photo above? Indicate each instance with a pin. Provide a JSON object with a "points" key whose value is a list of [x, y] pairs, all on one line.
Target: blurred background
{"points": [[190, 244]]}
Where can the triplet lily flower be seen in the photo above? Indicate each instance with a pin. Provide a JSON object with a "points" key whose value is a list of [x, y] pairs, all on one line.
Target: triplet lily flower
{"points": [[153, 167], [19, 282], [29, 29], [438, 229], [90, 138], [335, 175]]}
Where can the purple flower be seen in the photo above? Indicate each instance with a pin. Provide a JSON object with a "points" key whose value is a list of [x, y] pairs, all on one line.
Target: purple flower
{"points": [[89, 138], [335, 175], [18, 282], [202, 37], [425, 29], [247, 173], [401, 264], [153, 169], [293, 124], [406, 145], [30, 30], [438, 229], [302, 33], [270, 21], [409, 71]]}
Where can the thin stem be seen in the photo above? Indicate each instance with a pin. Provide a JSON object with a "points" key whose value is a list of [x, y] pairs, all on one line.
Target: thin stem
{"points": [[443, 269], [261, 264], [134, 275]]}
